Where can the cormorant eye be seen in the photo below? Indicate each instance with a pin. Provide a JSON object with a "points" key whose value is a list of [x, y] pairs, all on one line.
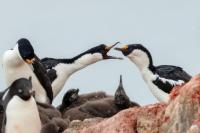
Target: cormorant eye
{"points": [[20, 91]]}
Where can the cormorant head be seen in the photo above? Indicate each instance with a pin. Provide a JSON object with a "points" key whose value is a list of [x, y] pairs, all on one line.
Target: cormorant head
{"points": [[23, 88], [26, 50], [138, 54], [103, 50]]}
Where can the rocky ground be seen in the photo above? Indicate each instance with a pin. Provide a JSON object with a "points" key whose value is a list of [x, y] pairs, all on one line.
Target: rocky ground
{"points": [[181, 115]]}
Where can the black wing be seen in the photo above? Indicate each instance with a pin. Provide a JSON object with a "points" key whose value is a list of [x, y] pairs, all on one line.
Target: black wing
{"points": [[43, 78], [1, 100], [169, 73], [2, 111], [49, 63], [3, 124], [172, 72]]}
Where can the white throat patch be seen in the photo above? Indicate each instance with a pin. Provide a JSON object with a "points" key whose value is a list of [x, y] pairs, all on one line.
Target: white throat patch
{"points": [[14, 68], [140, 58]]}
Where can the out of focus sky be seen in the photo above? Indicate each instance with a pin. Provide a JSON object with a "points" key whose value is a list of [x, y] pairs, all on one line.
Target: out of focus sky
{"points": [[170, 29]]}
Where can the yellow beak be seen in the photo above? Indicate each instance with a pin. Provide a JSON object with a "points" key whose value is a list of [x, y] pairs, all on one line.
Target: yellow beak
{"points": [[30, 61], [125, 47]]}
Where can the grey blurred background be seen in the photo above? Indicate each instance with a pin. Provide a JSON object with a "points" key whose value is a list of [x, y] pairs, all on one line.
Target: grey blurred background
{"points": [[170, 29]]}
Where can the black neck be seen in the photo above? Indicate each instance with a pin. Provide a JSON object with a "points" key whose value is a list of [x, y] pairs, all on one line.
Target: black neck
{"points": [[151, 66], [72, 60], [150, 58]]}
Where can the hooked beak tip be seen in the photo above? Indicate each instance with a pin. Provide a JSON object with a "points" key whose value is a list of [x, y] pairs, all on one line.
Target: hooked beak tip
{"points": [[108, 48], [116, 43]]}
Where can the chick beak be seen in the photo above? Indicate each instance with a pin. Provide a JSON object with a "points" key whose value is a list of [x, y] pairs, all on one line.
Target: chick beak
{"points": [[74, 95], [77, 90], [107, 49], [30, 61]]}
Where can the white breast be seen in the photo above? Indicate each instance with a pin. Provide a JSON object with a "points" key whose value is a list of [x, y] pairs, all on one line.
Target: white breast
{"points": [[148, 77], [22, 116], [14, 68], [64, 71]]}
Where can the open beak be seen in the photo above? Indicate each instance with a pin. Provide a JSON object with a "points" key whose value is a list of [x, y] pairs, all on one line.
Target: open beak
{"points": [[77, 90], [74, 96], [107, 49], [110, 47], [30, 61]]}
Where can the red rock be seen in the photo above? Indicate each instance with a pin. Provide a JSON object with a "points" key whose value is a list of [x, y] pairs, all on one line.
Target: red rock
{"points": [[181, 115], [124, 121], [184, 109], [175, 92], [77, 125], [195, 128]]}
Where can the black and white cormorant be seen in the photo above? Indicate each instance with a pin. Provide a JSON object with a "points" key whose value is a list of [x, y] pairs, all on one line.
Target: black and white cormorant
{"points": [[160, 79], [22, 62], [59, 70], [20, 109]]}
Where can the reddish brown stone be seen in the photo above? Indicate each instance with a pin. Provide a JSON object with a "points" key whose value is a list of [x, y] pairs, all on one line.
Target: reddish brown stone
{"points": [[180, 115]]}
